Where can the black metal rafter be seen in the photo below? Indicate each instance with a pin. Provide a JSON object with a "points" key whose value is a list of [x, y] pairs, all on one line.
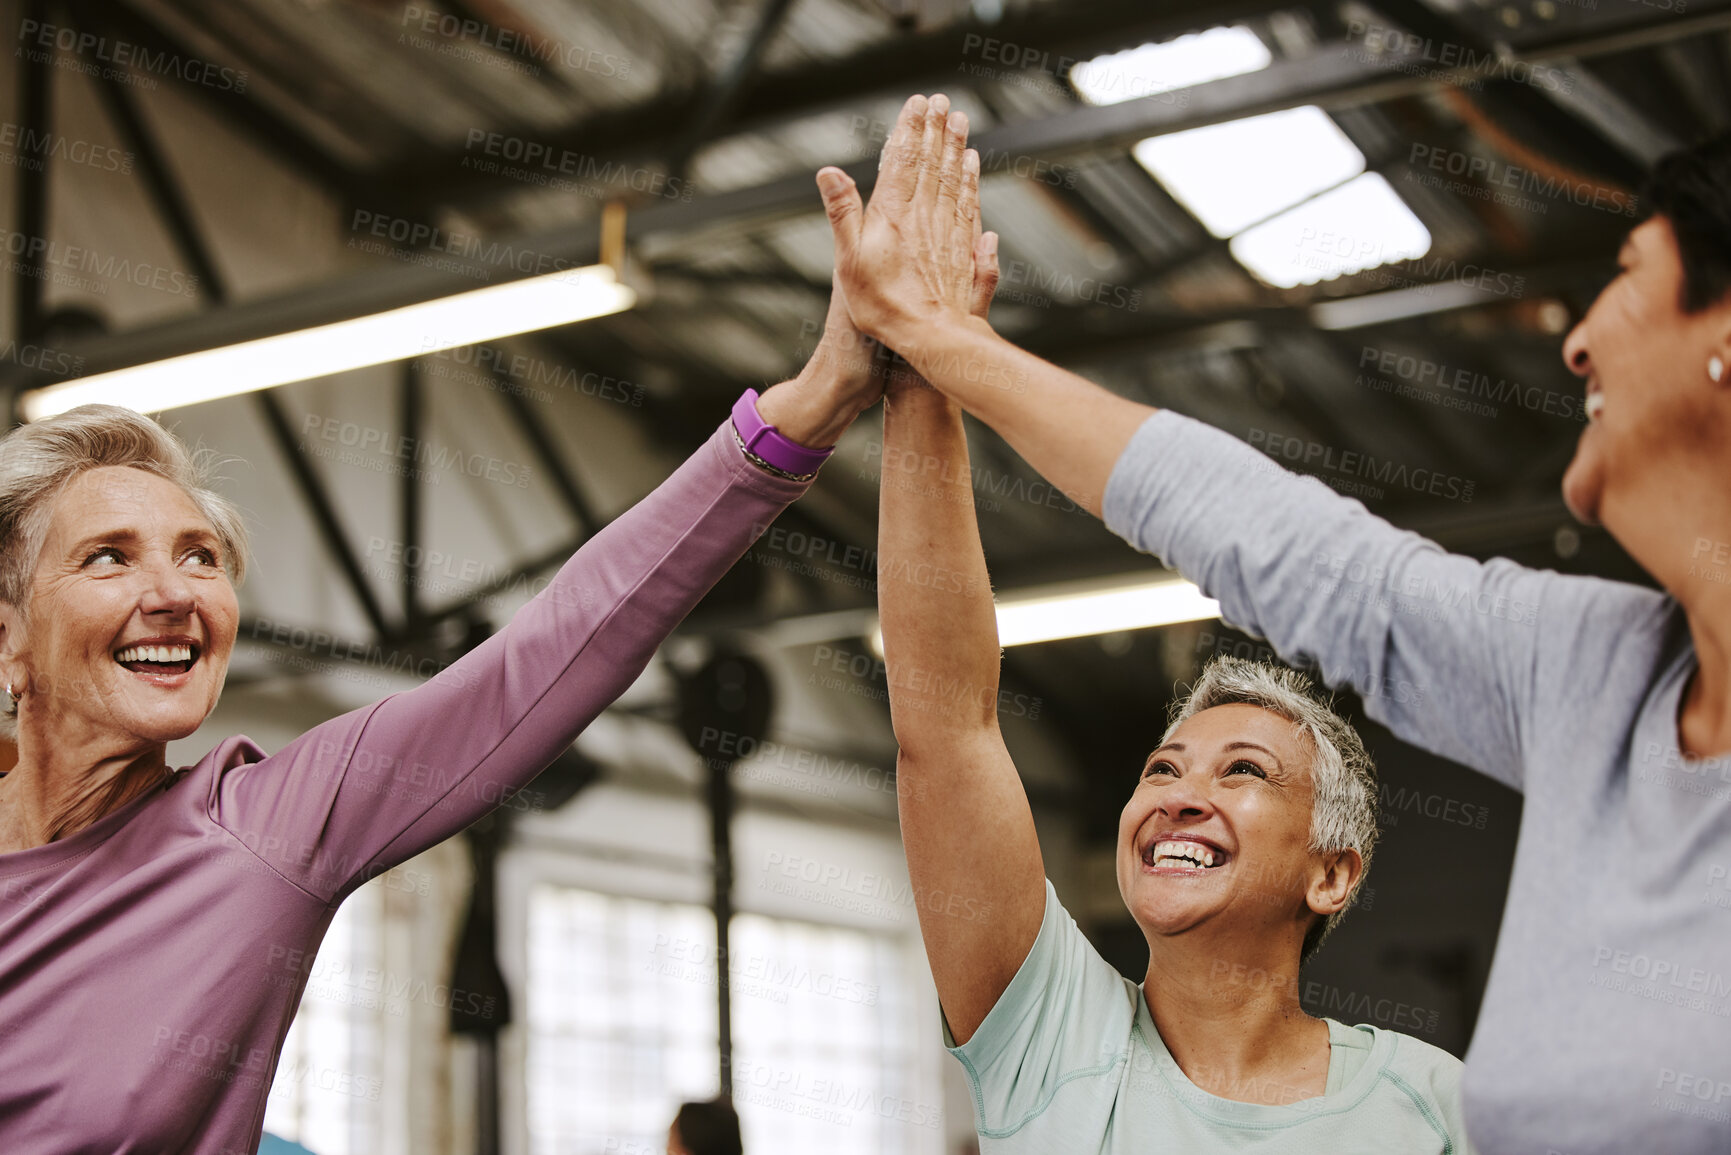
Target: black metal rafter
{"points": [[464, 605], [176, 213], [1340, 75], [171, 205], [723, 96], [540, 441], [1059, 34], [551, 79], [323, 512], [244, 110], [1076, 344], [1588, 136]]}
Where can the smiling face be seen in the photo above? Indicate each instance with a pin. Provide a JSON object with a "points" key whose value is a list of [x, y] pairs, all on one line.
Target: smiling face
{"points": [[1217, 832], [1645, 364], [132, 616]]}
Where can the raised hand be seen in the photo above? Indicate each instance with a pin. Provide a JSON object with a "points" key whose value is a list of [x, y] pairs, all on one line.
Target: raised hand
{"points": [[916, 253], [902, 376], [855, 361], [844, 377]]}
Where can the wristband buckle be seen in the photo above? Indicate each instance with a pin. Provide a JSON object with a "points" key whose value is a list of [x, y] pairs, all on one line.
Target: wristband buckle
{"points": [[766, 446]]}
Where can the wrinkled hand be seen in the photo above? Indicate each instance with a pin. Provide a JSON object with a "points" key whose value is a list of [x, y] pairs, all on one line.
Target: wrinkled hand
{"points": [[902, 377], [915, 254], [852, 361]]}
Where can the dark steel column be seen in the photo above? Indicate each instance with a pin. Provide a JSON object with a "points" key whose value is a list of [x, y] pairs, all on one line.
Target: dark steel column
{"points": [[34, 84], [411, 403], [723, 708]]}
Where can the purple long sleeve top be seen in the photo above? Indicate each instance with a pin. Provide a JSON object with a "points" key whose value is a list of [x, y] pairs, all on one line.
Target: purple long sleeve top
{"points": [[150, 964]]}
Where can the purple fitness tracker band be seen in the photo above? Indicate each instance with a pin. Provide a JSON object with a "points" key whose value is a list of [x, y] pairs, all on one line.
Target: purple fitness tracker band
{"points": [[766, 447]]}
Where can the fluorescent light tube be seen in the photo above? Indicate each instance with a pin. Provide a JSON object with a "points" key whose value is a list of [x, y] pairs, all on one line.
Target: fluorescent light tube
{"points": [[1100, 608], [1103, 606], [1398, 305], [394, 335]]}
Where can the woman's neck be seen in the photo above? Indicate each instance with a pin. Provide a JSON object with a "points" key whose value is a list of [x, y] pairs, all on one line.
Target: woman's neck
{"points": [[1686, 546], [49, 796], [1232, 1021], [1704, 723]]}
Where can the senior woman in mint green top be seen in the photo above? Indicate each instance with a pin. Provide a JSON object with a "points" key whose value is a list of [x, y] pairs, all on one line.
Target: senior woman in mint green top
{"points": [[1242, 843], [1606, 1024]]}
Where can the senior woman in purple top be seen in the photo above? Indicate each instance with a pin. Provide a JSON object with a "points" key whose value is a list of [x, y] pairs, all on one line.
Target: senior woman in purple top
{"points": [[153, 921]]}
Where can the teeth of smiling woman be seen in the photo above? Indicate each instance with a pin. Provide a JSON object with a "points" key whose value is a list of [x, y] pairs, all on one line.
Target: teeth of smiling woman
{"points": [[1595, 405], [1183, 853], [160, 654]]}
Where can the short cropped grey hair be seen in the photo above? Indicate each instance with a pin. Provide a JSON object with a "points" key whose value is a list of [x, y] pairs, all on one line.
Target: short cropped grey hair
{"points": [[1343, 815], [38, 461]]}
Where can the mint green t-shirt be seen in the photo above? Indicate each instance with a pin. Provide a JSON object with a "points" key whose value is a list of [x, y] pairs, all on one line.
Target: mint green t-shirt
{"points": [[1069, 1061]]}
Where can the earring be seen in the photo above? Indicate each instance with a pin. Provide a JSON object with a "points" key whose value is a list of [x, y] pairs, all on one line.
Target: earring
{"points": [[1715, 367], [11, 701]]}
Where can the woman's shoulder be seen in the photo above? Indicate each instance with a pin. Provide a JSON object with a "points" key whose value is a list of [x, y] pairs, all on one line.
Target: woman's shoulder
{"points": [[202, 780], [1405, 1070], [228, 754], [1599, 609], [1407, 1056]]}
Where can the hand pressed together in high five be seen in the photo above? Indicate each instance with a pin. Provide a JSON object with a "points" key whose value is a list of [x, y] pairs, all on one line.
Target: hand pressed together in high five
{"points": [[916, 273], [916, 255]]}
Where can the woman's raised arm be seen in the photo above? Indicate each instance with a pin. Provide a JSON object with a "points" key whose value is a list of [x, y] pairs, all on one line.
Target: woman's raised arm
{"points": [[372, 788], [973, 856]]}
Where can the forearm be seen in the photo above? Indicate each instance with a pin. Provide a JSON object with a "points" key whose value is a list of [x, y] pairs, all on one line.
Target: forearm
{"points": [[1069, 429], [379, 785], [934, 596], [973, 855], [1426, 637]]}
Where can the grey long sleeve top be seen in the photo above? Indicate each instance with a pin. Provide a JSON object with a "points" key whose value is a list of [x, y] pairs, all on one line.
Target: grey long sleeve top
{"points": [[1606, 1026]]}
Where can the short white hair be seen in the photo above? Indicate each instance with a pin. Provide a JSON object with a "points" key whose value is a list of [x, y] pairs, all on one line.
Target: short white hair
{"points": [[1343, 777], [38, 461]]}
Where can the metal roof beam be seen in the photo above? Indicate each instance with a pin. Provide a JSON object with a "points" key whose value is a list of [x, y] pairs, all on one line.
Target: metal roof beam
{"points": [[1338, 75], [1056, 34]]}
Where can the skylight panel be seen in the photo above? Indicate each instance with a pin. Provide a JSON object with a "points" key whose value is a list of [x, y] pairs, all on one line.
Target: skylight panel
{"points": [[1193, 59], [1289, 188], [1355, 227], [1235, 174]]}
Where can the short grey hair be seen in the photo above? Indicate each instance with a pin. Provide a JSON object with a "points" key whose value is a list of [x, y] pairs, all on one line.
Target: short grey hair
{"points": [[1343, 814], [38, 461]]}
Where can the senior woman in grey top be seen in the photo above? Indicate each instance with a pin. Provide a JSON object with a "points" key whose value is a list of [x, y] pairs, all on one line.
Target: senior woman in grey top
{"points": [[1606, 1027]]}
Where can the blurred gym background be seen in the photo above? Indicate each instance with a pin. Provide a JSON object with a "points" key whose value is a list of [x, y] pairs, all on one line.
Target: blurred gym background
{"points": [[1350, 233]]}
